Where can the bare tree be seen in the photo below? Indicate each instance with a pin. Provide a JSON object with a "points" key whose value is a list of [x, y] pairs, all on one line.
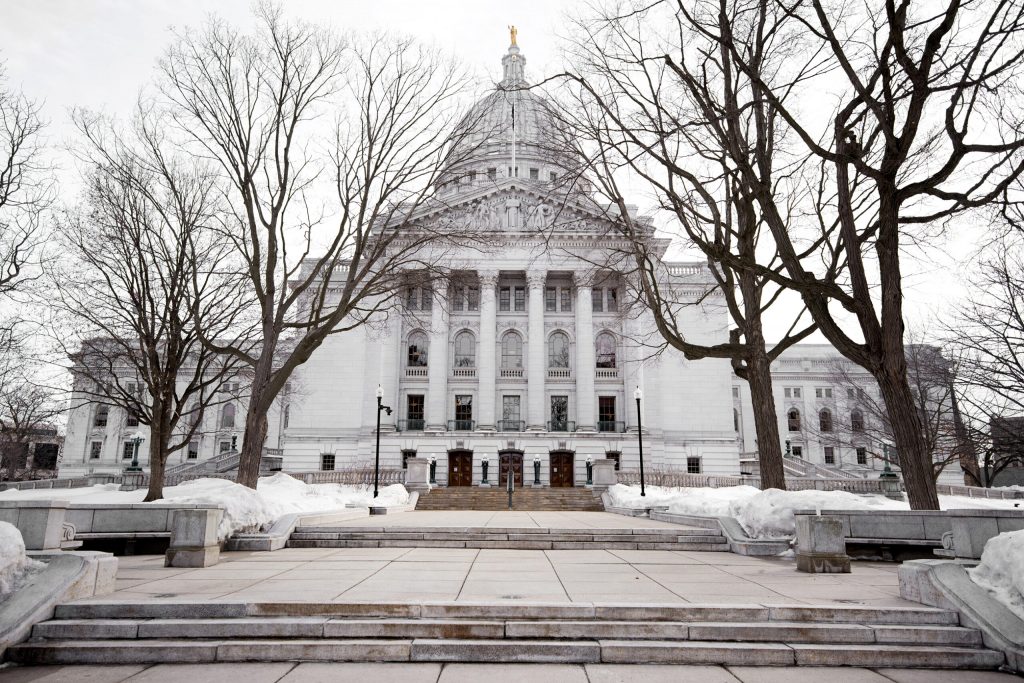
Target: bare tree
{"points": [[659, 102], [147, 275], [256, 106], [27, 411]]}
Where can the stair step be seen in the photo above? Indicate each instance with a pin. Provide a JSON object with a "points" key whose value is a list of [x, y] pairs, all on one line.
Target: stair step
{"points": [[716, 545]]}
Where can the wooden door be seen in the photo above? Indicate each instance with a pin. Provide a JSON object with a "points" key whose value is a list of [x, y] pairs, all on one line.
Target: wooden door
{"points": [[513, 461], [561, 469], [460, 468]]}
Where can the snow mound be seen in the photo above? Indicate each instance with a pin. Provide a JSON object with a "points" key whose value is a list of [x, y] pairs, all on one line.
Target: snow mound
{"points": [[13, 561], [244, 508], [1001, 570]]}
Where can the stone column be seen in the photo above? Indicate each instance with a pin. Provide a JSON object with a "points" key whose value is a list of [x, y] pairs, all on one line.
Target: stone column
{"points": [[630, 364], [586, 417], [488, 329], [391, 366], [437, 361], [535, 370]]}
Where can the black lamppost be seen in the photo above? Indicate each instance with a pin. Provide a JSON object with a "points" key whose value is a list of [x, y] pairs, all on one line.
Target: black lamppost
{"points": [[376, 459], [640, 436], [136, 441]]}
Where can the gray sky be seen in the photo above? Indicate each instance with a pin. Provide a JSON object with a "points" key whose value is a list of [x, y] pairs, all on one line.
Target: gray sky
{"points": [[99, 53]]}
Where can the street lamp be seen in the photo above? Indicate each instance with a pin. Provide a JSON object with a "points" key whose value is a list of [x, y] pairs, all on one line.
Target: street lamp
{"points": [[376, 459], [640, 436], [137, 439]]}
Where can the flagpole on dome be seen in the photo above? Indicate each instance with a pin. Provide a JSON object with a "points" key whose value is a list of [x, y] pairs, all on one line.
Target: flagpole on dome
{"points": [[513, 32]]}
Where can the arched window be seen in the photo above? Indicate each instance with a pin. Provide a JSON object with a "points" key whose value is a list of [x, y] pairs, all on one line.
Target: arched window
{"points": [[605, 350], [856, 420], [825, 420], [511, 350], [227, 416], [793, 420], [417, 350], [465, 350], [558, 350], [101, 416]]}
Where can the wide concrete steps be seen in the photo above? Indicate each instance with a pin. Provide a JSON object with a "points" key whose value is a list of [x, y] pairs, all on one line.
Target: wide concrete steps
{"points": [[526, 498], [521, 538], [119, 632]]}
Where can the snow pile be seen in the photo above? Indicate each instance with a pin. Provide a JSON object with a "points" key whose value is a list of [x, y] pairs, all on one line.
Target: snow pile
{"points": [[1001, 570], [244, 509], [770, 513], [13, 561]]}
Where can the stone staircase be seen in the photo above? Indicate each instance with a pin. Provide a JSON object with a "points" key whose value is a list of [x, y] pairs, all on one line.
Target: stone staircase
{"points": [[160, 632], [526, 498], [519, 538]]}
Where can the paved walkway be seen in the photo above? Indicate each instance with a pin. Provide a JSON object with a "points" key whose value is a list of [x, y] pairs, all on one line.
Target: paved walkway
{"points": [[508, 519], [286, 672], [424, 574]]}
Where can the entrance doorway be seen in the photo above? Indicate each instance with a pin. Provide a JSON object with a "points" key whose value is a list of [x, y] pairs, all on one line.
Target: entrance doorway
{"points": [[561, 469], [460, 468], [510, 460]]}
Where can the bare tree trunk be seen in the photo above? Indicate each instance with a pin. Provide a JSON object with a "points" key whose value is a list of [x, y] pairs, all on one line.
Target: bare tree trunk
{"points": [[157, 461], [766, 423], [252, 445], [911, 445]]}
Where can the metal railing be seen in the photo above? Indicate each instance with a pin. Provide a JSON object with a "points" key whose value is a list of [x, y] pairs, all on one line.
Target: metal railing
{"points": [[511, 425], [977, 492], [562, 426], [611, 426], [411, 425], [461, 425], [672, 478]]}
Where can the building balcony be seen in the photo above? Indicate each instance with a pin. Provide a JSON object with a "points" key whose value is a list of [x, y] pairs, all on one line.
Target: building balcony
{"points": [[559, 373], [606, 373], [464, 373], [511, 373], [461, 425], [411, 425], [611, 426], [511, 426], [562, 426], [416, 372]]}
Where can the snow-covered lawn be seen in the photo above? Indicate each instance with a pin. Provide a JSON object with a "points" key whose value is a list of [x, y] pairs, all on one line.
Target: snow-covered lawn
{"points": [[1001, 570], [769, 514], [14, 564], [245, 509]]}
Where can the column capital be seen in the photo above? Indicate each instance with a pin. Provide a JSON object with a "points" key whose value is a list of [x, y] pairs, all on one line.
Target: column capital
{"points": [[488, 278], [536, 278], [583, 280]]}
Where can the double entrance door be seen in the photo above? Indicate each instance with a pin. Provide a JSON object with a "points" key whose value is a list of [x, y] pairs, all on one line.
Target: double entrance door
{"points": [[460, 468], [510, 461], [561, 469]]}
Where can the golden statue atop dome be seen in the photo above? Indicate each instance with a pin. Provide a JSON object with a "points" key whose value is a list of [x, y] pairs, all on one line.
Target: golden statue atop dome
{"points": [[512, 31]]}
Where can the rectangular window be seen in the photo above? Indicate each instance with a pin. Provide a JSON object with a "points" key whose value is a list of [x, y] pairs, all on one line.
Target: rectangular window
{"points": [[131, 421], [411, 298], [224, 446], [473, 299], [613, 300], [559, 414], [414, 412], [735, 392], [553, 176], [193, 450], [95, 448], [693, 465], [534, 174], [606, 413], [520, 298], [127, 450], [504, 299], [792, 392], [550, 299], [862, 456], [616, 457], [850, 393], [492, 174], [798, 451], [327, 462], [830, 455], [597, 299], [406, 454], [823, 392], [566, 302], [510, 414], [464, 412], [100, 419], [460, 296], [788, 392], [426, 298]]}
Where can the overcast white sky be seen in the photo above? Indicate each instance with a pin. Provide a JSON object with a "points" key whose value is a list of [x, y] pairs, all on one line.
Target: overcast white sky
{"points": [[99, 53]]}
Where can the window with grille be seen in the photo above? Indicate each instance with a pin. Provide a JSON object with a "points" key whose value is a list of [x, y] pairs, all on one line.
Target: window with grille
{"points": [[459, 298], [823, 392], [510, 409], [566, 299], [473, 299], [613, 299], [616, 457], [95, 449], [597, 299], [505, 299], [465, 350], [127, 450], [558, 350], [101, 416], [414, 408], [825, 421], [193, 450], [605, 350], [550, 299], [417, 350], [830, 455], [511, 351], [606, 413], [463, 408], [520, 293], [856, 421], [693, 465], [327, 462], [131, 420], [559, 413]]}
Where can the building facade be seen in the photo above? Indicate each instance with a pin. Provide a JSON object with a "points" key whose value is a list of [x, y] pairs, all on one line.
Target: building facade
{"points": [[532, 349]]}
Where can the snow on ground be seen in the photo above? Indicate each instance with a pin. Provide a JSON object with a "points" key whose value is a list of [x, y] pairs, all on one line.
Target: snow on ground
{"points": [[14, 564], [770, 513], [1001, 570], [245, 509]]}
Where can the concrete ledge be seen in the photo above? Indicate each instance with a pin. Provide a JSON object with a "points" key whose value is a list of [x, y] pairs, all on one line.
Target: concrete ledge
{"points": [[739, 542], [945, 584], [67, 576], [41, 522], [276, 537]]}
